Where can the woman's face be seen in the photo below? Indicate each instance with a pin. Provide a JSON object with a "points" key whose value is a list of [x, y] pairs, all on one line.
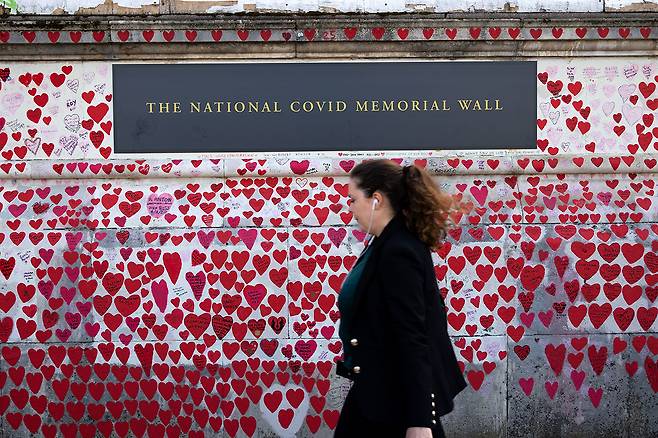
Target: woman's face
{"points": [[359, 204]]}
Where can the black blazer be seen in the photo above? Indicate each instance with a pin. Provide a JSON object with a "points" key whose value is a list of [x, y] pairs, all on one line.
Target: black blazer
{"points": [[404, 368]]}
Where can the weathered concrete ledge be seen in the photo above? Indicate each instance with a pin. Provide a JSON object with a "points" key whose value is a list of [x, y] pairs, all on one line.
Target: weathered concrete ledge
{"points": [[315, 35], [317, 165]]}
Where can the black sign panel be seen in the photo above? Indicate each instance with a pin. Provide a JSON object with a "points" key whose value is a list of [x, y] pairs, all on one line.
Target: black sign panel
{"points": [[340, 106]]}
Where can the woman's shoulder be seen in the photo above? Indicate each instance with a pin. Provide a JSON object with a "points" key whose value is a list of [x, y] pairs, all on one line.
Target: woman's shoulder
{"points": [[405, 241]]}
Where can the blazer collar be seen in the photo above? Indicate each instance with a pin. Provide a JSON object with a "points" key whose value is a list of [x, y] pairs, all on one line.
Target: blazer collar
{"points": [[396, 223], [391, 228]]}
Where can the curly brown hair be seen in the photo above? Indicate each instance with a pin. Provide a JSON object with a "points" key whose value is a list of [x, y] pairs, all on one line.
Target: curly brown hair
{"points": [[411, 192]]}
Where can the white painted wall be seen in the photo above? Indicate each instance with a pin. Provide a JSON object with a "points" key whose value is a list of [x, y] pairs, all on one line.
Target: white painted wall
{"points": [[70, 6], [637, 5], [180, 6]]}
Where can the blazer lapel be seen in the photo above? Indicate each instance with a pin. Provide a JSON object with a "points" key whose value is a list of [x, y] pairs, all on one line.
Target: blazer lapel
{"points": [[371, 263]]}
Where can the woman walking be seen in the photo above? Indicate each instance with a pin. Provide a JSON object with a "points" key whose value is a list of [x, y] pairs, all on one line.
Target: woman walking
{"points": [[393, 322]]}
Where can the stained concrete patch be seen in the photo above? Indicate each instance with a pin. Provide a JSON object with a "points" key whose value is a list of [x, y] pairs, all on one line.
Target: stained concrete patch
{"points": [[481, 412], [580, 391]]}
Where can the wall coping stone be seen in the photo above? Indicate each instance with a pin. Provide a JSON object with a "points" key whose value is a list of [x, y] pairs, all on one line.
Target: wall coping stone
{"points": [[438, 163], [318, 35]]}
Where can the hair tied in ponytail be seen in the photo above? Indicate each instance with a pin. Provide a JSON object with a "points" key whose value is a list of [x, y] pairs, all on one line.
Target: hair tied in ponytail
{"points": [[406, 171], [411, 192]]}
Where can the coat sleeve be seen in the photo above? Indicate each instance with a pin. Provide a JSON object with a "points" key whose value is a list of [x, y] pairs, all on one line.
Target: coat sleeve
{"points": [[403, 299]]}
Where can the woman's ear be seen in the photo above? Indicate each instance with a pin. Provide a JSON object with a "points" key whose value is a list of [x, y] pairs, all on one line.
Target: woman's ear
{"points": [[376, 199]]}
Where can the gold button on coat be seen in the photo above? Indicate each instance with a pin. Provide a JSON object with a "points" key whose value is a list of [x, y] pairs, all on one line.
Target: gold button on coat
{"points": [[354, 342], [356, 370]]}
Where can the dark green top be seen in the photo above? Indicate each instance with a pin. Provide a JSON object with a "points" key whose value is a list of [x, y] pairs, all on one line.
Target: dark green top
{"points": [[346, 305]]}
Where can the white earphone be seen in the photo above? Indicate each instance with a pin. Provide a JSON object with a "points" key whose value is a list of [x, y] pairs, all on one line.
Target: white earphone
{"points": [[372, 211]]}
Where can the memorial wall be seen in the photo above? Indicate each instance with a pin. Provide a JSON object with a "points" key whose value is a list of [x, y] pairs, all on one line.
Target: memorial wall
{"points": [[174, 227]]}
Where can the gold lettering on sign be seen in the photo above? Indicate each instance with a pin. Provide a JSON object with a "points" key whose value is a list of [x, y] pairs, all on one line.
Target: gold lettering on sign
{"points": [[401, 105], [324, 106], [221, 106], [327, 106], [361, 106], [477, 105], [266, 108], [163, 107]]}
